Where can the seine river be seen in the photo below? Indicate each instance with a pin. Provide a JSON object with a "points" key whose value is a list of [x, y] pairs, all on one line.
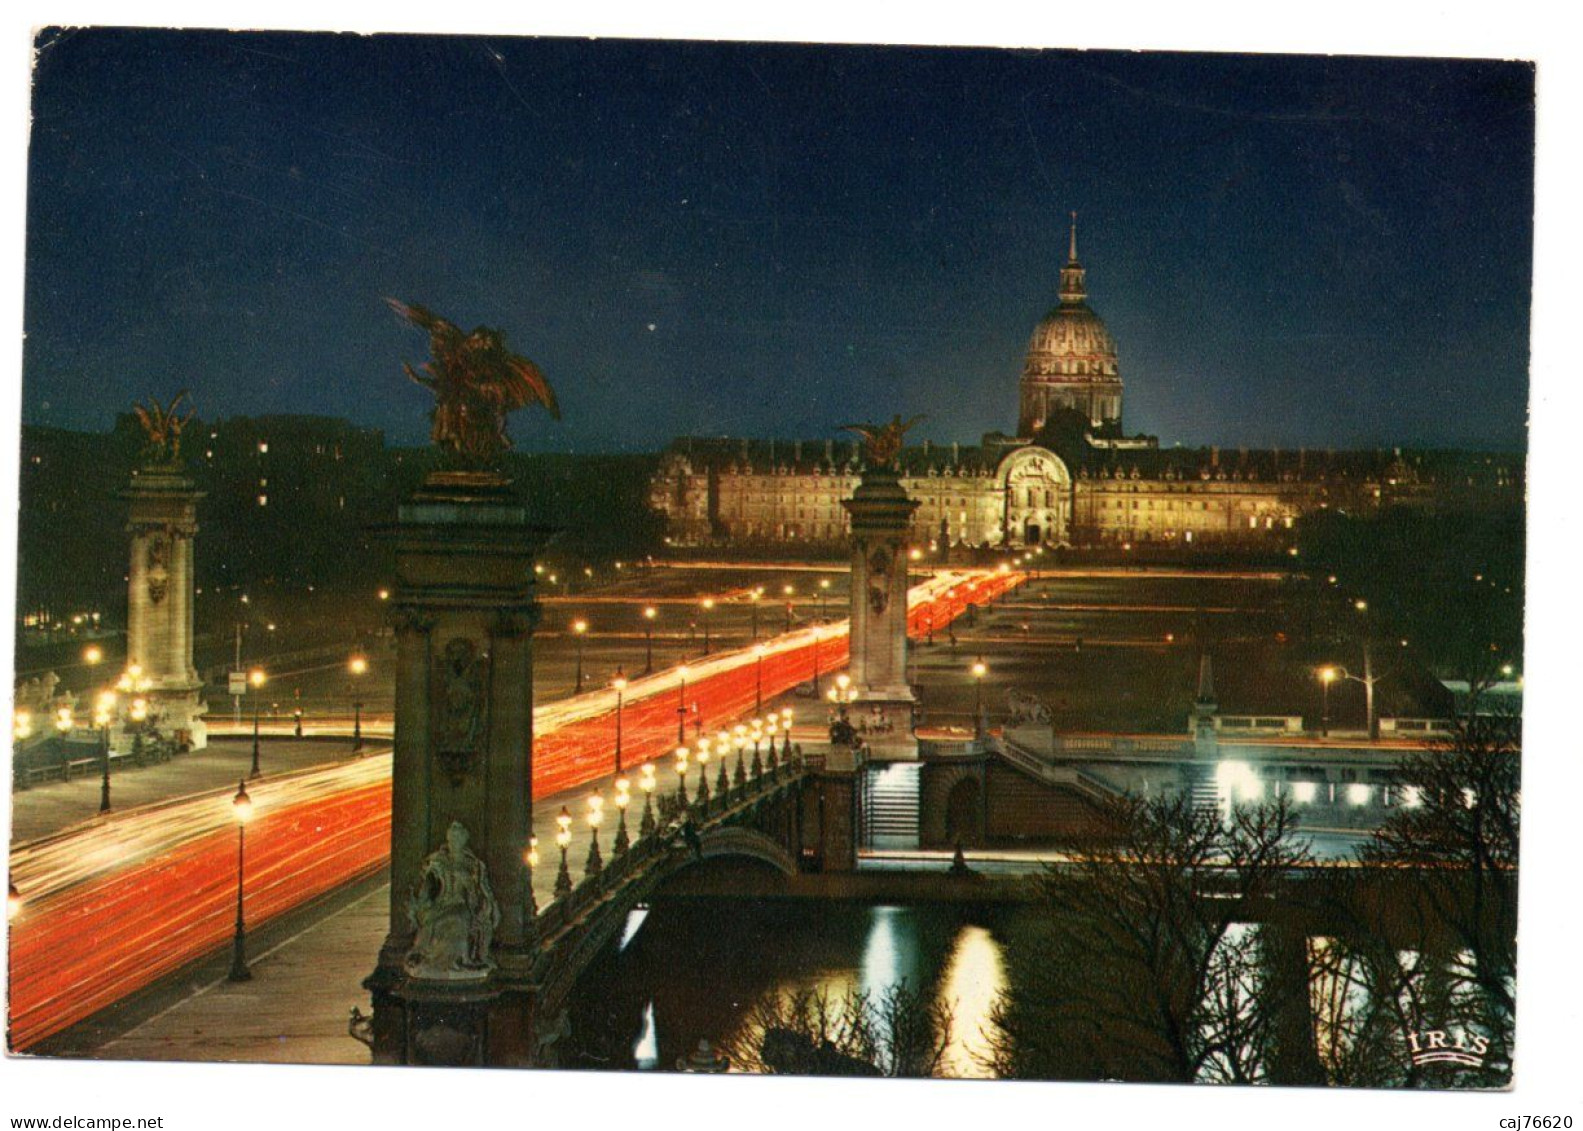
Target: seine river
{"points": [[689, 970]]}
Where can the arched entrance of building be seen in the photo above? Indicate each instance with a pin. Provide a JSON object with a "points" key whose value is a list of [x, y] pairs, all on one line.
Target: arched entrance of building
{"points": [[1036, 489]]}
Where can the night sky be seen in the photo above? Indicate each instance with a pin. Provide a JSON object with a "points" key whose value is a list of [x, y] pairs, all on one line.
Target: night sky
{"points": [[775, 240]]}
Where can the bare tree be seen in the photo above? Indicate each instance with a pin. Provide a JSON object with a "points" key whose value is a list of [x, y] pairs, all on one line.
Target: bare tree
{"points": [[897, 1032], [1457, 831], [1144, 963]]}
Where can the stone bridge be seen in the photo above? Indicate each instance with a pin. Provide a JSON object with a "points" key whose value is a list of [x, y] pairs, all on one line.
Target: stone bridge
{"points": [[782, 817]]}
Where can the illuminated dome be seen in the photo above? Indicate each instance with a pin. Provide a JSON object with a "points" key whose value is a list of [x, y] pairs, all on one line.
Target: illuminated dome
{"points": [[1072, 361]]}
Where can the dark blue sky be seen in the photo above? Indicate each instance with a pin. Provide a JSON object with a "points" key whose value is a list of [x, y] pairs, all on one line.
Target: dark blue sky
{"points": [[774, 240]]}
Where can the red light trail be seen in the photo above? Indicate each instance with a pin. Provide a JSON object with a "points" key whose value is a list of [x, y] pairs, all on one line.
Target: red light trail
{"points": [[114, 905]]}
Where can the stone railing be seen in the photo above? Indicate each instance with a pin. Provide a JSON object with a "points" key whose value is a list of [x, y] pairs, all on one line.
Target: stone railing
{"points": [[1118, 745], [1083, 782], [1416, 728], [752, 784], [1258, 724]]}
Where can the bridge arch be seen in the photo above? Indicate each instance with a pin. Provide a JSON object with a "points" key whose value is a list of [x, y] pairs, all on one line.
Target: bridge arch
{"points": [[943, 787]]}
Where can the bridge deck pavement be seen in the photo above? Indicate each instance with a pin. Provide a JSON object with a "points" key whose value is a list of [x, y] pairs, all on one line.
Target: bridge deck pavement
{"points": [[50, 807], [294, 1011]]}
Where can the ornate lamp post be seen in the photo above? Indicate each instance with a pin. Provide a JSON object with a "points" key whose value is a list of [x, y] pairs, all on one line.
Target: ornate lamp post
{"points": [[563, 841], [707, 604], [531, 859], [649, 613], [753, 604], [579, 629], [722, 780], [771, 726], [242, 807], [786, 729], [758, 677], [357, 666], [623, 799], [682, 754], [980, 669], [824, 592], [647, 784], [739, 738], [681, 706], [596, 815], [757, 728], [1327, 676], [255, 679], [703, 774], [63, 727], [818, 638], [103, 712], [620, 685], [790, 591]]}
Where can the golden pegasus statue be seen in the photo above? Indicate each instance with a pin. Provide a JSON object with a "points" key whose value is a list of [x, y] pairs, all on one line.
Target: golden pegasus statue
{"points": [[162, 425], [476, 381], [882, 442]]}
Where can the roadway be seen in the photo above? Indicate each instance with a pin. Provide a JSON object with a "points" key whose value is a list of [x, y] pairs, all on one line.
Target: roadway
{"points": [[155, 886]]}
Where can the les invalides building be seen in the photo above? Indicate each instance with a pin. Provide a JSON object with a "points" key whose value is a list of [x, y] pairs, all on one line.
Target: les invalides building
{"points": [[1068, 477]]}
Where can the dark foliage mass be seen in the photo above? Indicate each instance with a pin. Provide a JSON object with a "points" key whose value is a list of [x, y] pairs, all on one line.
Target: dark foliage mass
{"points": [[324, 486], [1449, 583], [1193, 948]]}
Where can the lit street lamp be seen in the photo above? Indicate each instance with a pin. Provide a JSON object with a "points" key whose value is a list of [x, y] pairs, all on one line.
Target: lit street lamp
{"points": [[1327, 676], [753, 604], [255, 680], [563, 840], [824, 591], [531, 859], [682, 754], [681, 706], [818, 638], [790, 591], [739, 739], [647, 783], [703, 774], [104, 709], [596, 815], [649, 613], [980, 669], [579, 629], [242, 806], [707, 604], [358, 665], [623, 799], [620, 684], [722, 780]]}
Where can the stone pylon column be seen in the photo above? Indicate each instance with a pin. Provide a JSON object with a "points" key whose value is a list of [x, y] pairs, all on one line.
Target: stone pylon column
{"points": [[162, 505], [453, 983], [881, 515]]}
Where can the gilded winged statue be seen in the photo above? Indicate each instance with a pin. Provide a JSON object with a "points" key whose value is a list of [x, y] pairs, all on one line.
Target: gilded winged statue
{"points": [[882, 442], [476, 381], [162, 427]]}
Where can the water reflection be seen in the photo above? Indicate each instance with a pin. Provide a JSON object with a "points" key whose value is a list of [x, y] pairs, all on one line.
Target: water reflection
{"points": [[646, 1049], [696, 969], [973, 977]]}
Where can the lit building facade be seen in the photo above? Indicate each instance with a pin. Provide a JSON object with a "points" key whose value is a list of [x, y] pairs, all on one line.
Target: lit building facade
{"points": [[1069, 476]]}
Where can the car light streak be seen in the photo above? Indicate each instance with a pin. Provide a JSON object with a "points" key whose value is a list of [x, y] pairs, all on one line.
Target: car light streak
{"points": [[113, 904]]}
